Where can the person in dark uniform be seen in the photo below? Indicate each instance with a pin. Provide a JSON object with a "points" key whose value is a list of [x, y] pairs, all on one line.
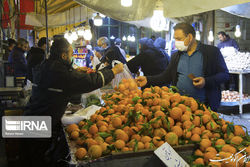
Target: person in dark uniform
{"points": [[11, 45], [55, 82]]}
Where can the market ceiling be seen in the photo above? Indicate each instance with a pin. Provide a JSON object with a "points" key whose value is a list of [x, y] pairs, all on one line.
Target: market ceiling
{"points": [[142, 9]]}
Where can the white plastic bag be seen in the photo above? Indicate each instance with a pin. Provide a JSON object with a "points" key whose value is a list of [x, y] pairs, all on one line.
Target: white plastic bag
{"points": [[84, 97], [123, 75], [95, 61]]}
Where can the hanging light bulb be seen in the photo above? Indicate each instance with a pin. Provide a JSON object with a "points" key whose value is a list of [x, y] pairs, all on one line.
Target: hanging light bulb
{"points": [[87, 33], [126, 3], [80, 31], [124, 38], [69, 38], [74, 35], [211, 36], [66, 34], [158, 21], [237, 31], [197, 35], [112, 37], [98, 20], [132, 39], [129, 38]]}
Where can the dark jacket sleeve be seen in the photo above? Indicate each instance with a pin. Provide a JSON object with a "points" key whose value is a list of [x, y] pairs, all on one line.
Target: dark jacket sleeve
{"points": [[79, 82], [222, 74], [165, 77], [235, 45], [135, 63]]}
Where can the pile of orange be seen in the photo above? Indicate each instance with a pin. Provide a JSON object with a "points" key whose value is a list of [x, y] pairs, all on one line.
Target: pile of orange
{"points": [[134, 120]]}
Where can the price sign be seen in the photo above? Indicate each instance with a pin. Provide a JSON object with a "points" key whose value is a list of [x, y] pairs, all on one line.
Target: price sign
{"points": [[169, 156]]}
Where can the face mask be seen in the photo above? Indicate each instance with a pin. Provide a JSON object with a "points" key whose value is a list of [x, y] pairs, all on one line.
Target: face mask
{"points": [[181, 46]]}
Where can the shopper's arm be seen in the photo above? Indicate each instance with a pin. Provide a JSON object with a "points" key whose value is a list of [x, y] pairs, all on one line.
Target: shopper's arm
{"points": [[135, 63]]}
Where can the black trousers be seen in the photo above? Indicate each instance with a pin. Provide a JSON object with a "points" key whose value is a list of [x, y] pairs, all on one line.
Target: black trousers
{"points": [[52, 152]]}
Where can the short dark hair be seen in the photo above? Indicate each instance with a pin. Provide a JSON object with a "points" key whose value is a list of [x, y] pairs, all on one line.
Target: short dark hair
{"points": [[222, 33], [22, 42], [11, 42], [186, 28], [59, 46], [42, 41]]}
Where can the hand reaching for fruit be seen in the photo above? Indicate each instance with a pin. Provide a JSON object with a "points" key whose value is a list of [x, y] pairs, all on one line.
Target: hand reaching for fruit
{"points": [[117, 68], [141, 81]]}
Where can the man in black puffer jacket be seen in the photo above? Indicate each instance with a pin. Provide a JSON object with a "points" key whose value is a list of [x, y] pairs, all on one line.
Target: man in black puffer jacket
{"points": [[35, 56], [55, 82]]}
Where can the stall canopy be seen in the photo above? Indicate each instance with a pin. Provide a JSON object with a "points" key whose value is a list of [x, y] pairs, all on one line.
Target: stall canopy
{"points": [[142, 9], [242, 10]]}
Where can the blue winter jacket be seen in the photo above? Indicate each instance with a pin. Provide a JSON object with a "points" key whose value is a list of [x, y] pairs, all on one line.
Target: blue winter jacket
{"points": [[160, 44], [228, 43]]}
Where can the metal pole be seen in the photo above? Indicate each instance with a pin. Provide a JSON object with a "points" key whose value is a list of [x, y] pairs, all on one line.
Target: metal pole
{"points": [[47, 33], [241, 94]]}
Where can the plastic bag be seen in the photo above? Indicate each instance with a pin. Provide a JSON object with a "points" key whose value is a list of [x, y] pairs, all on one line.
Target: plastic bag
{"points": [[123, 75], [86, 95], [95, 61]]}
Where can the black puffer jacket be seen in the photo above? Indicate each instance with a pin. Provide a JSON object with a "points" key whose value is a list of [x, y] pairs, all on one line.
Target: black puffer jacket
{"points": [[35, 56], [55, 83]]}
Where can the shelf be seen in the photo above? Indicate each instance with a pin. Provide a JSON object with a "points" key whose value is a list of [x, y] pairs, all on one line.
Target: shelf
{"points": [[235, 103], [79, 53]]}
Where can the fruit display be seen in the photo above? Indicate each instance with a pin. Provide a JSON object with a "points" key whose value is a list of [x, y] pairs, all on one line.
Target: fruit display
{"points": [[232, 96], [85, 69], [236, 61], [133, 120]]}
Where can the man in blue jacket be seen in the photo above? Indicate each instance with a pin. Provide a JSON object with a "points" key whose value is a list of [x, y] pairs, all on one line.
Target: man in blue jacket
{"points": [[226, 41], [203, 61]]}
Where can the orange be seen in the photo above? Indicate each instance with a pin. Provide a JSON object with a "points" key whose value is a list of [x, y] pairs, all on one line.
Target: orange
{"points": [[223, 154], [74, 135], [80, 153], [216, 135], [177, 130], [116, 122], [160, 132], [196, 130], [95, 151], [160, 114], [104, 146], [207, 133], [99, 118], [171, 138], [187, 134], [205, 143], [211, 125], [99, 139], [93, 129], [140, 145], [81, 123], [124, 149], [185, 117], [156, 139], [220, 142], [72, 127], [164, 103], [93, 117], [195, 137], [199, 161], [157, 124], [208, 156], [196, 121], [236, 140], [187, 124], [120, 134], [248, 150], [176, 113], [148, 145], [136, 136], [211, 149], [238, 131], [159, 143], [228, 148], [206, 119], [90, 142], [224, 128], [183, 107], [214, 164], [193, 104], [119, 144], [176, 97], [80, 141], [199, 112], [103, 129], [146, 139], [101, 123], [109, 140], [198, 152]]}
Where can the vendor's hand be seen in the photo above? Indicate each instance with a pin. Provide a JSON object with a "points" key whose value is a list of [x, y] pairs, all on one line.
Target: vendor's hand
{"points": [[117, 68], [199, 82], [91, 58], [141, 81]]}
